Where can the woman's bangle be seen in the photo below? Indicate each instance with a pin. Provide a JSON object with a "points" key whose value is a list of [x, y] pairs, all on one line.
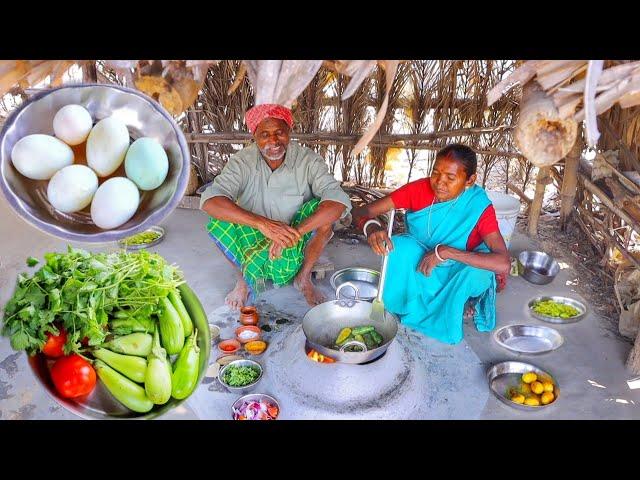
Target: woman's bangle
{"points": [[369, 222], [437, 254]]}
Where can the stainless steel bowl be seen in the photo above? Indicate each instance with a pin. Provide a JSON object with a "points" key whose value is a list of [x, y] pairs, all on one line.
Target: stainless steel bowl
{"points": [[528, 339], [507, 374], [240, 363], [154, 229], [537, 267], [100, 404], [143, 116], [581, 307], [365, 279], [257, 397]]}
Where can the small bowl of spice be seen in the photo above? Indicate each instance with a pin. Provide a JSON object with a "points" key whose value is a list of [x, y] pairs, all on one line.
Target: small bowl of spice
{"points": [[229, 346], [255, 347], [248, 333]]}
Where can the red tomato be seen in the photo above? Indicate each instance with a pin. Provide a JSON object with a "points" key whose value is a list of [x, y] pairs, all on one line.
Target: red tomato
{"points": [[53, 347], [73, 376]]}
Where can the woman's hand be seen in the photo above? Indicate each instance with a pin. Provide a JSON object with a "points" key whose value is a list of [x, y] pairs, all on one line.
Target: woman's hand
{"points": [[428, 263], [379, 240]]}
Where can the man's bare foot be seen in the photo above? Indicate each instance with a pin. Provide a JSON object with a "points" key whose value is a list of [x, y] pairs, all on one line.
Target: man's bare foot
{"points": [[238, 296], [312, 295]]}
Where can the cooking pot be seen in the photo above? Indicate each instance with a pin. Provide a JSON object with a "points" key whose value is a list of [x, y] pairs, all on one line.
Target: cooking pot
{"points": [[322, 324]]}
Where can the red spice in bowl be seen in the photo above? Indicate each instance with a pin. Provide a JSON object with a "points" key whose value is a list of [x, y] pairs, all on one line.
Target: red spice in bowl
{"points": [[229, 346]]}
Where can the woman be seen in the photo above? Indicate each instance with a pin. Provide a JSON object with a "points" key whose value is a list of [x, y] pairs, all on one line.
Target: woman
{"points": [[452, 252]]}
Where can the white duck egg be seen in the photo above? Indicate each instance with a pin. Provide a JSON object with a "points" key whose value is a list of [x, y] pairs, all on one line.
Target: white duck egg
{"points": [[107, 145], [72, 124], [72, 188], [146, 163], [114, 203], [39, 156]]}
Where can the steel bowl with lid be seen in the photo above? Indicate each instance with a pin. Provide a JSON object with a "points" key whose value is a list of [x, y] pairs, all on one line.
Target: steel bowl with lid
{"points": [[365, 279], [143, 116]]}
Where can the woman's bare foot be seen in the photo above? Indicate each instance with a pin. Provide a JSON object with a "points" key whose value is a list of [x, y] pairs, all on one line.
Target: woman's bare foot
{"points": [[312, 295], [237, 297], [469, 310]]}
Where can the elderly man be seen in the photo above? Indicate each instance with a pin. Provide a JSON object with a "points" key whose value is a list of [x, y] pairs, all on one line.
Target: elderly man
{"points": [[272, 208]]}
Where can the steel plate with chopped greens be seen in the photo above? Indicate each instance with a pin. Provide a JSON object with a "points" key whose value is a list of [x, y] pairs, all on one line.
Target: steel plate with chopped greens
{"points": [[555, 309], [240, 375], [143, 238]]}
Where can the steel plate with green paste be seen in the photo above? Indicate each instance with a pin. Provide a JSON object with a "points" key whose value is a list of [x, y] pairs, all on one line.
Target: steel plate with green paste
{"points": [[145, 239], [557, 309]]}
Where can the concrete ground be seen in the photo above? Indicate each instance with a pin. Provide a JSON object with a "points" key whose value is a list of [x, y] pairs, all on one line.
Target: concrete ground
{"points": [[589, 366]]}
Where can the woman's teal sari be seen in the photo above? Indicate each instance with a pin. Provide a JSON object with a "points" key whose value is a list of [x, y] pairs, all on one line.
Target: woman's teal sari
{"points": [[434, 304]]}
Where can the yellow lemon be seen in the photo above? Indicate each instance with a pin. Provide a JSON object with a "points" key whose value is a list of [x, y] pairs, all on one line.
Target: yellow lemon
{"points": [[548, 386], [537, 388], [532, 401], [517, 398], [529, 377], [547, 397], [525, 389]]}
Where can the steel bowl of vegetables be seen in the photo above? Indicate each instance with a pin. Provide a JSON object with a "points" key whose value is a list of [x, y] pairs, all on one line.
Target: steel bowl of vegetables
{"points": [[110, 335], [256, 406], [240, 376]]}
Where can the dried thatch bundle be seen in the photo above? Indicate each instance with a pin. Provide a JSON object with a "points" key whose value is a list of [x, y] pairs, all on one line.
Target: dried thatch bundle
{"points": [[580, 89], [541, 135]]}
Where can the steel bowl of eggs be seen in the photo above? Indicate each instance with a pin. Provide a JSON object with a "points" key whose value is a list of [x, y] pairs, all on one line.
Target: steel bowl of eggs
{"points": [[92, 162]]}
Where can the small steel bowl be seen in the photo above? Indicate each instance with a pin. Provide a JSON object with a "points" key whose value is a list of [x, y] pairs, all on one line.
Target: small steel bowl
{"points": [[581, 307], [258, 397], [504, 375], [365, 279], [154, 229], [537, 267], [528, 339], [143, 116], [241, 363]]}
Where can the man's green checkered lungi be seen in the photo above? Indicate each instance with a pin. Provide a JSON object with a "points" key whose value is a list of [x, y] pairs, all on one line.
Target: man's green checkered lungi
{"points": [[249, 249]]}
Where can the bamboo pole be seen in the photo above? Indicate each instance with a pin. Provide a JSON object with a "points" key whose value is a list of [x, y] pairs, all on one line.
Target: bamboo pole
{"points": [[346, 139], [331, 139], [607, 202], [569, 183], [612, 239], [633, 361], [89, 72], [542, 180], [519, 192]]}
